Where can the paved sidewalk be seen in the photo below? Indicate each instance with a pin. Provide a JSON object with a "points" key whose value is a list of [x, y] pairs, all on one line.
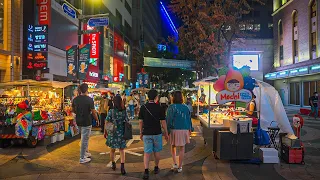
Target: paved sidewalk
{"points": [[60, 161]]}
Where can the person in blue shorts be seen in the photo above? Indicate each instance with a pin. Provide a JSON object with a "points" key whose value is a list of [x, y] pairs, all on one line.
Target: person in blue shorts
{"points": [[151, 118]]}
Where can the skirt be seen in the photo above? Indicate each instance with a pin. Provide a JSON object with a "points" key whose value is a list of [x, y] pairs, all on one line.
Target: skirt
{"points": [[179, 137]]}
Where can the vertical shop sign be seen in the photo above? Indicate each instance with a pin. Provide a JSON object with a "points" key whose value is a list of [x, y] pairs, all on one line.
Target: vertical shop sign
{"points": [[93, 68], [71, 52], [84, 57], [140, 79], [37, 47], [44, 10], [145, 80]]}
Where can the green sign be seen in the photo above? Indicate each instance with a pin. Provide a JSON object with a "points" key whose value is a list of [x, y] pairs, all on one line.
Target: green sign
{"points": [[169, 63]]}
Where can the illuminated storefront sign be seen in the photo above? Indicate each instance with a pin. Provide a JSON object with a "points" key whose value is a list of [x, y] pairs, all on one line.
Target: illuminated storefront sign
{"points": [[37, 47], [71, 53], [44, 11], [84, 56], [94, 41], [294, 72]]}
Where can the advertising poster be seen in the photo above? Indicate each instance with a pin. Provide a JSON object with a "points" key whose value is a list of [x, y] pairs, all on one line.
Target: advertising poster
{"points": [[145, 80], [140, 79], [71, 52], [84, 57]]}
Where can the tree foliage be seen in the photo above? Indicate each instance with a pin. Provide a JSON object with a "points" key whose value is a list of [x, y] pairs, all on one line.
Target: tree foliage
{"points": [[209, 29]]}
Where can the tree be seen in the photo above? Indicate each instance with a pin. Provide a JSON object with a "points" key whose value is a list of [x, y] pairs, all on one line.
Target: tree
{"points": [[209, 29]]}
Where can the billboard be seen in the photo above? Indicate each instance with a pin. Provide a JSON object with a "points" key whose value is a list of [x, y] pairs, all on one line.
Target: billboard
{"points": [[84, 56], [169, 63], [72, 62], [246, 60]]}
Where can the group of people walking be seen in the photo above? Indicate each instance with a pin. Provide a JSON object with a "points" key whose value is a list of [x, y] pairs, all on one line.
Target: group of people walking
{"points": [[156, 120]]}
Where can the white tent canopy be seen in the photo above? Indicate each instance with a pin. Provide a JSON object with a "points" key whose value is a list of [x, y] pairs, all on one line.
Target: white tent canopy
{"points": [[271, 108], [30, 82], [206, 80]]}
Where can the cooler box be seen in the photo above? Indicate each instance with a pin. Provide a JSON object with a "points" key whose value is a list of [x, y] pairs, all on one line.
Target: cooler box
{"points": [[241, 126], [292, 155], [269, 155]]}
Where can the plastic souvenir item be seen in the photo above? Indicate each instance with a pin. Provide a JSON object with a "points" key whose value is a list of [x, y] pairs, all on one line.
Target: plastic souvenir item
{"points": [[18, 110], [44, 115], [23, 128], [23, 105], [234, 81], [37, 116], [28, 115]]}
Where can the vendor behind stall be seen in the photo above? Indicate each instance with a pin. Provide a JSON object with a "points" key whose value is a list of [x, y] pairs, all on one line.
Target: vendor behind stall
{"points": [[252, 110]]}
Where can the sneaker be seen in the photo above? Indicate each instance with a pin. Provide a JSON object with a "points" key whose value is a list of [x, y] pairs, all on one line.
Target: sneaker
{"points": [[156, 170], [88, 155], [84, 160], [146, 175], [179, 170], [174, 167]]}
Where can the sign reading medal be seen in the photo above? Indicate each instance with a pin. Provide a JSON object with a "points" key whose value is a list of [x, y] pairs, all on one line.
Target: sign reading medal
{"points": [[236, 85], [71, 62]]}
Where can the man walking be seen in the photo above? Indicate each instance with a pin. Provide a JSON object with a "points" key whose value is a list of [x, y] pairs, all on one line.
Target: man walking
{"points": [[83, 107], [313, 101], [151, 117]]}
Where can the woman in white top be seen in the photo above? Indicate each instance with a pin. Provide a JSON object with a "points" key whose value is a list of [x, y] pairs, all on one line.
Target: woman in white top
{"points": [[164, 101]]}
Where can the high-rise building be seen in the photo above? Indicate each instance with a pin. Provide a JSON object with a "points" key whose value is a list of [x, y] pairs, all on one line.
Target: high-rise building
{"points": [[255, 49], [11, 14], [296, 50]]}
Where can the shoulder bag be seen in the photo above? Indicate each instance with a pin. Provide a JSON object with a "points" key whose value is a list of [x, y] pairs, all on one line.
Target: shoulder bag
{"points": [[127, 135], [110, 127]]}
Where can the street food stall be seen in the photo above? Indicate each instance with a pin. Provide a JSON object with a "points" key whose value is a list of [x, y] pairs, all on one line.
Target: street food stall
{"points": [[228, 129], [32, 110]]}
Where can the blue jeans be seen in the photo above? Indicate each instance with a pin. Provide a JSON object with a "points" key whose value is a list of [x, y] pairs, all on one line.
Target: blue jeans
{"points": [[314, 110], [152, 143], [85, 135], [131, 108]]}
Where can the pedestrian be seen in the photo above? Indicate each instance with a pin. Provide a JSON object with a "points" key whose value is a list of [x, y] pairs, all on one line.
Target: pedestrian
{"points": [[252, 112], [103, 110], [313, 102], [110, 102], [151, 118], [136, 97], [164, 101], [118, 117], [179, 128], [83, 107], [143, 98], [130, 102]]}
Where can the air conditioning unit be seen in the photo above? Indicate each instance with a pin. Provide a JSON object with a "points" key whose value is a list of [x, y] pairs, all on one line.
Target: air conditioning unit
{"points": [[296, 59], [295, 33], [314, 55], [314, 24]]}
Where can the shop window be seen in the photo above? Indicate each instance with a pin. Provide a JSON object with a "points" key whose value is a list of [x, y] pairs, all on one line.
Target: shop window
{"points": [[249, 27], [256, 27]]}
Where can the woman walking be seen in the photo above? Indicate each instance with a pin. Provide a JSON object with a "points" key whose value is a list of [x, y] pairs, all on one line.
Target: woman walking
{"points": [[164, 101], [179, 127], [115, 140]]}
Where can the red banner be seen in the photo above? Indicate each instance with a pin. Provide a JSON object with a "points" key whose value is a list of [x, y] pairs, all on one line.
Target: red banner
{"points": [[94, 41], [44, 12]]}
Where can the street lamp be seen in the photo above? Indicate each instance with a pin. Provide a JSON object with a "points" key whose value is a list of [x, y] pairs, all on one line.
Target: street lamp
{"points": [[149, 51]]}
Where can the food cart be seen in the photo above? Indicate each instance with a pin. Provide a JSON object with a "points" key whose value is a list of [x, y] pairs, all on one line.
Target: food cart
{"points": [[32, 110]]}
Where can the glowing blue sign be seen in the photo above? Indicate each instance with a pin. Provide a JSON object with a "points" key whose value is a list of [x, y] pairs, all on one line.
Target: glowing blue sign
{"points": [[69, 10]]}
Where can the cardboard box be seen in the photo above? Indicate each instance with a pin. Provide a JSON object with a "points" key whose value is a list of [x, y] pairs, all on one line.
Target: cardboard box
{"points": [[243, 126], [294, 143]]}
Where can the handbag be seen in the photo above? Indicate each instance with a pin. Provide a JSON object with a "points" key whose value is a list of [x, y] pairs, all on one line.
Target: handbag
{"points": [[261, 137], [110, 127], [127, 131]]}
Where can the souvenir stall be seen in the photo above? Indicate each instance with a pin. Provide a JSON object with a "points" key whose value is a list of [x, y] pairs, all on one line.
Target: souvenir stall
{"points": [[32, 110]]}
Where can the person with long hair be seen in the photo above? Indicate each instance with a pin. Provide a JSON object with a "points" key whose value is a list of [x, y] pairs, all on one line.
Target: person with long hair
{"points": [[179, 128], [164, 101], [115, 140]]}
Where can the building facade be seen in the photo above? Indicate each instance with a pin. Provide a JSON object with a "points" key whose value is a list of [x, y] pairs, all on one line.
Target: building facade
{"points": [[255, 50], [11, 17], [296, 50]]}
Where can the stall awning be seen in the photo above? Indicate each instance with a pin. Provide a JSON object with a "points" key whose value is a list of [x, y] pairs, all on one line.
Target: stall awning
{"points": [[30, 82], [206, 81]]}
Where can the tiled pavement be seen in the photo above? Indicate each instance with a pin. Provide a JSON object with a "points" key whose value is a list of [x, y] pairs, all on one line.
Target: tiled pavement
{"points": [[60, 161]]}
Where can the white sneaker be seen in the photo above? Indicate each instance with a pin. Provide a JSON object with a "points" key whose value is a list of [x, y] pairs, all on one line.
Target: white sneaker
{"points": [[179, 170], [87, 155], [84, 160], [174, 167]]}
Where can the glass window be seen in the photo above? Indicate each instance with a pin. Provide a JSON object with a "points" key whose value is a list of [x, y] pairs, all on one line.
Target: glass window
{"points": [[295, 93], [249, 27], [295, 19], [256, 27], [270, 25], [313, 41], [313, 87], [281, 52], [127, 6], [306, 93], [242, 27], [295, 48], [314, 9], [280, 28]]}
